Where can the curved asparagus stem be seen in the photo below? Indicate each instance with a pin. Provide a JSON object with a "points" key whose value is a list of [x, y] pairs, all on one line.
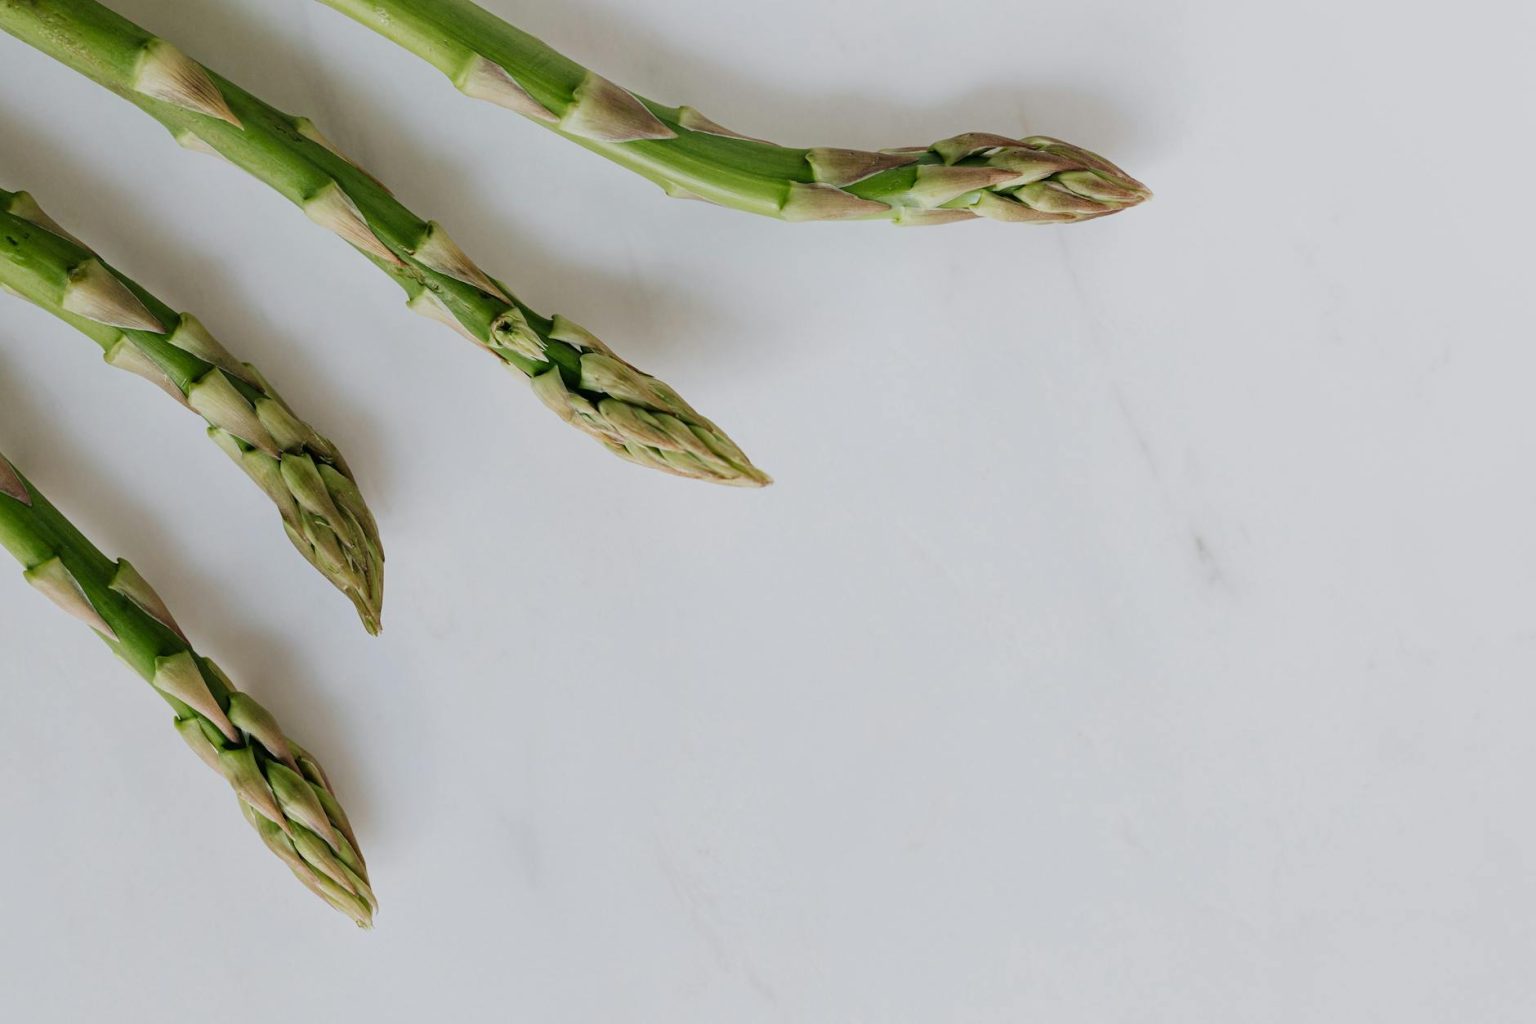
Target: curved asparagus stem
{"points": [[323, 511], [631, 413], [282, 790], [1031, 180]]}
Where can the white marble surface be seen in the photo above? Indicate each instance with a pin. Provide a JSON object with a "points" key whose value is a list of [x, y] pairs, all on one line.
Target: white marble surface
{"points": [[1140, 631]]}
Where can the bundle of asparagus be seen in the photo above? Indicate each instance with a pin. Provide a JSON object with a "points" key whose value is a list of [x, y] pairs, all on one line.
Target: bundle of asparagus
{"points": [[282, 789], [322, 509], [1031, 180], [634, 415]]}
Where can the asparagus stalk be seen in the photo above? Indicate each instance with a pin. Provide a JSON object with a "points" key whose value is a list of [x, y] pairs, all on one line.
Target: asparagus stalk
{"points": [[633, 414], [1030, 180], [282, 790], [322, 510]]}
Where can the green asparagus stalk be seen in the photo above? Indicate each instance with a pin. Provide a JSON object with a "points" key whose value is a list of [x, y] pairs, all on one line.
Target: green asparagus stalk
{"points": [[323, 511], [633, 414], [282, 789], [1030, 180]]}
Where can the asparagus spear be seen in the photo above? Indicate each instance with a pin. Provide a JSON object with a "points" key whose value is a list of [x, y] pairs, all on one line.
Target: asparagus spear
{"points": [[323, 511], [634, 415], [282, 789], [1032, 180]]}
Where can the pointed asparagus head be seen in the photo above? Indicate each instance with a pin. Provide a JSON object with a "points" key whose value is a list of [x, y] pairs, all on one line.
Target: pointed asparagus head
{"points": [[282, 791], [1033, 180], [323, 511], [637, 417]]}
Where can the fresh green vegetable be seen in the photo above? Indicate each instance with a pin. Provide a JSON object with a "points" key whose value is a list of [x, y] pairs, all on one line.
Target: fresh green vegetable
{"points": [[1031, 180], [282, 789], [322, 509], [633, 414]]}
